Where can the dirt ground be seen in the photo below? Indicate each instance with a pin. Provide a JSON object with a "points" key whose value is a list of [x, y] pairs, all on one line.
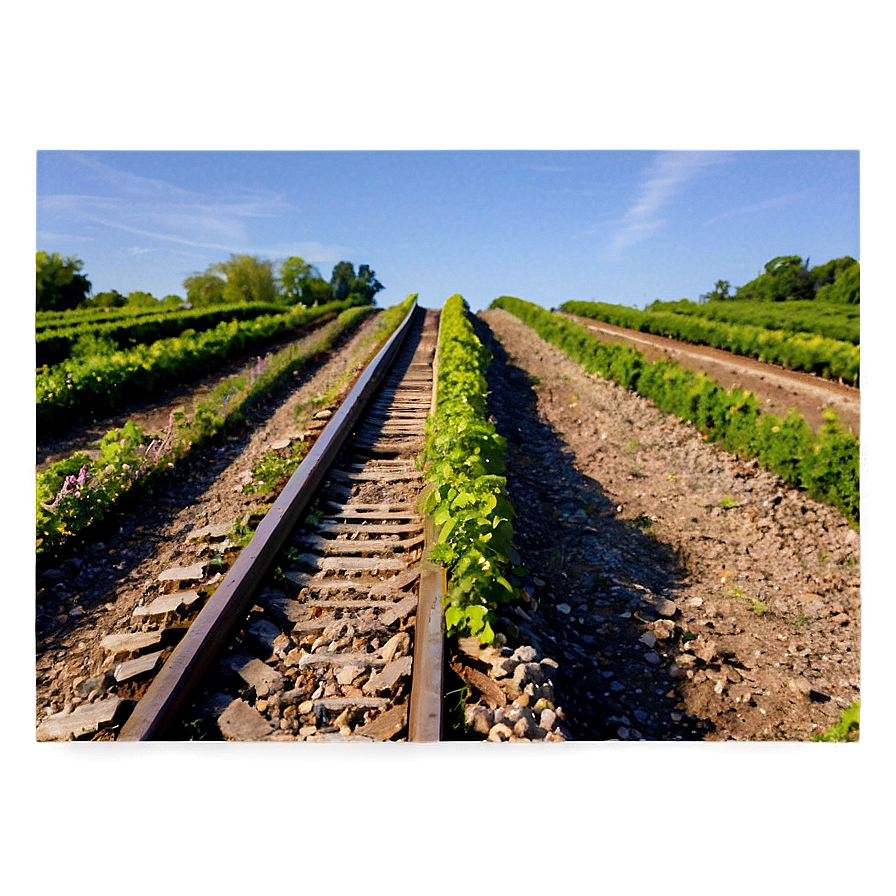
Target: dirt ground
{"points": [[686, 594]]}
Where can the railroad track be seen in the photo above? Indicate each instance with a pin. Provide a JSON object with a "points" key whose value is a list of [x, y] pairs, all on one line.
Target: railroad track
{"points": [[328, 625]]}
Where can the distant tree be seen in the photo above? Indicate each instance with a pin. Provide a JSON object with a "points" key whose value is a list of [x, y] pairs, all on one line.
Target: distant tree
{"points": [[293, 276], [142, 300], [171, 302], [825, 274], [785, 278], [248, 279], [720, 293], [844, 290], [204, 290], [366, 284], [110, 299], [59, 284], [342, 279], [317, 291]]}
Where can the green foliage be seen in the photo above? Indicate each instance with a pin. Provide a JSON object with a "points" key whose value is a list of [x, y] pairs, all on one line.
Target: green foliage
{"points": [[825, 464], [797, 351], [843, 290], [844, 731], [345, 283], [76, 493], [785, 278], [98, 385], [247, 279], [59, 283], [56, 343], [720, 292], [464, 462], [838, 322], [293, 276]]}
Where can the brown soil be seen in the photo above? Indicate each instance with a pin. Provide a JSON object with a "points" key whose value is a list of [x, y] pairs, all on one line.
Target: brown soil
{"points": [[779, 389], [687, 594], [94, 593]]}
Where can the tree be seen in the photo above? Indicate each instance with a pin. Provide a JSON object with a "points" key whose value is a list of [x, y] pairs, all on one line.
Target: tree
{"points": [[366, 284], [204, 290], [826, 274], [248, 279], [719, 294], [110, 299], [171, 302], [317, 291], [59, 284], [342, 279], [844, 290], [294, 275], [139, 299], [785, 278]]}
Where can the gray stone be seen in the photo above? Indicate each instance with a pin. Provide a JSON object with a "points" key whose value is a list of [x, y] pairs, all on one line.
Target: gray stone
{"points": [[85, 719], [386, 726], [183, 573], [166, 605], [263, 634], [213, 532], [240, 722], [652, 658], [396, 645], [525, 654], [648, 638], [142, 665], [479, 718], [256, 674], [125, 644], [347, 674], [385, 679], [500, 732]]}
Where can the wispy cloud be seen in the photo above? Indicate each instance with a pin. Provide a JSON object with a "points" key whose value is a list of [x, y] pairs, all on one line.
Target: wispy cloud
{"points": [[665, 178], [158, 210], [764, 205]]}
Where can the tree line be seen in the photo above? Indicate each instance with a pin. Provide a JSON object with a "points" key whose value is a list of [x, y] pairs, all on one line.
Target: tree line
{"points": [[61, 285], [788, 278]]}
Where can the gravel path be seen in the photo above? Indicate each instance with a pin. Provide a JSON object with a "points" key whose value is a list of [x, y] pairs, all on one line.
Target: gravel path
{"points": [[687, 594]]}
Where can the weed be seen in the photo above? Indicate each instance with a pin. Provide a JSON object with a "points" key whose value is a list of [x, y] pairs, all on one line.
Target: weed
{"points": [[844, 731], [727, 503]]}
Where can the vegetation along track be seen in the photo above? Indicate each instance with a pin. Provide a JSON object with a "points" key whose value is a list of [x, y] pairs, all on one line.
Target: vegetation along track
{"points": [[311, 633]]}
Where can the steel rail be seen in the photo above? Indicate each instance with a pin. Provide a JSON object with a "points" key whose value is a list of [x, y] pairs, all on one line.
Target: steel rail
{"points": [[180, 676]]}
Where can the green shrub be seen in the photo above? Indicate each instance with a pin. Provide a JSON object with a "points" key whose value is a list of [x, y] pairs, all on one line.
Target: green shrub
{"points": [[825, 464], [464, 463]]}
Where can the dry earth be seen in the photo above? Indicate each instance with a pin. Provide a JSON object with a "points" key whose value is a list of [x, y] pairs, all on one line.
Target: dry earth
{"points": [[686, 594], [94, 593]]}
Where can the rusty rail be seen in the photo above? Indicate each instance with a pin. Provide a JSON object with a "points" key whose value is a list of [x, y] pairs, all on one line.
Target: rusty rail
{"points": [[183, 672]]}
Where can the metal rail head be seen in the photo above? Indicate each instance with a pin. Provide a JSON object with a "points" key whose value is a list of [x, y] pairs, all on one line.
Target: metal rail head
{"points": [[178, 679]]}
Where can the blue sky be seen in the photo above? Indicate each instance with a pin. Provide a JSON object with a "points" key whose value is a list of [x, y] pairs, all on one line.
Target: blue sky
{"points": [[616, 226]]}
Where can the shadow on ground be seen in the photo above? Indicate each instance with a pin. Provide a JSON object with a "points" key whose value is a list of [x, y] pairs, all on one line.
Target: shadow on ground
{"points": [[603, 584]]}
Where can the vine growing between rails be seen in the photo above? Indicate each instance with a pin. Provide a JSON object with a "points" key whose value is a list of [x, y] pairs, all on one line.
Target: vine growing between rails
{"points": [[464, 464]]}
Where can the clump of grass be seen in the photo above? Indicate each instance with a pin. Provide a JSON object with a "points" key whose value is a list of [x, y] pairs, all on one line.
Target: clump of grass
{"points": [[727, 503], [844, 731]]}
